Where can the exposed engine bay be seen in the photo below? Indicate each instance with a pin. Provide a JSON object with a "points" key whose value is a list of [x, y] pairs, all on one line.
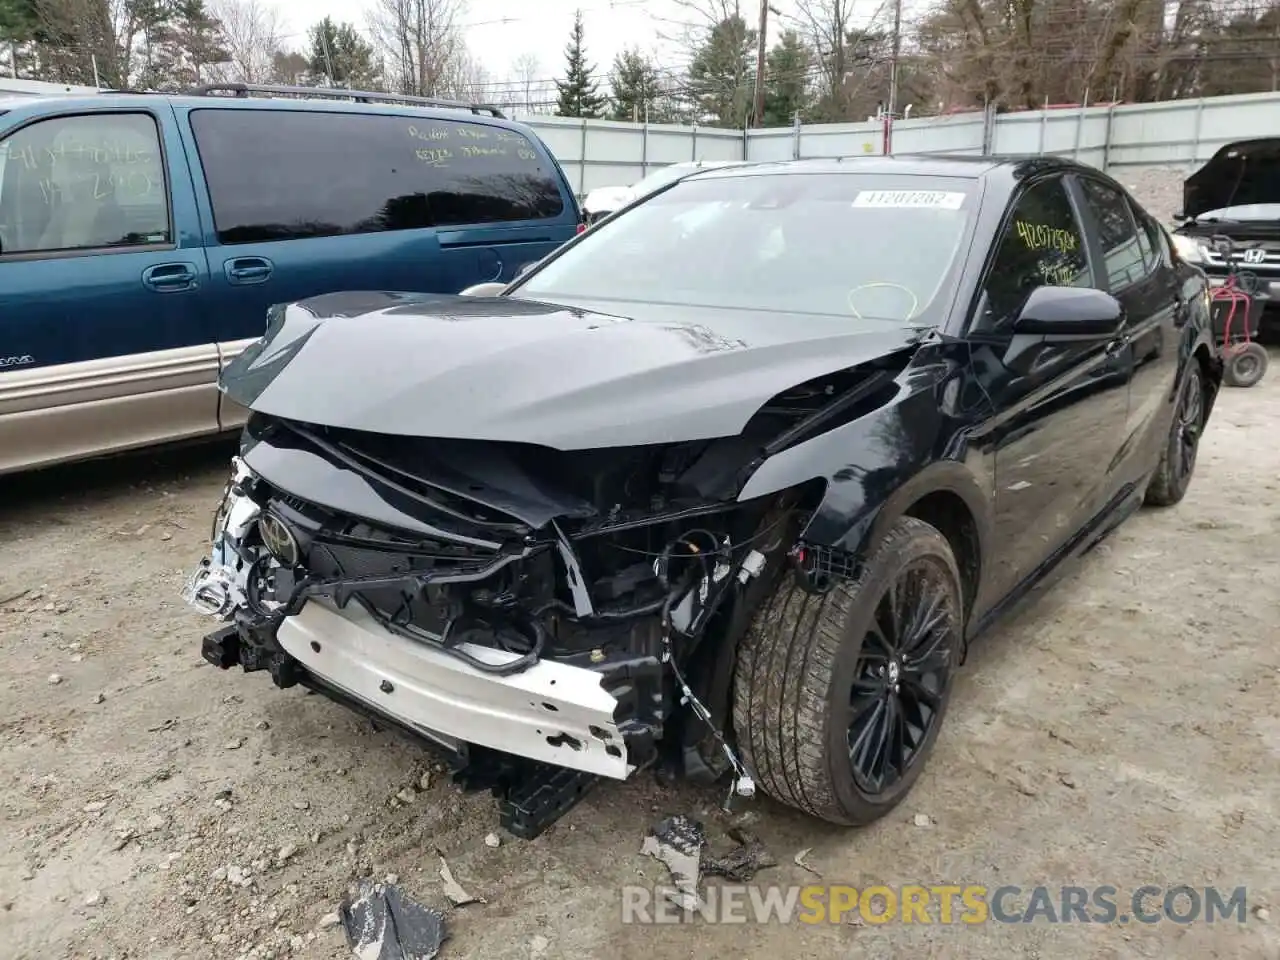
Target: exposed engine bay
{"points": [[578, 608]]}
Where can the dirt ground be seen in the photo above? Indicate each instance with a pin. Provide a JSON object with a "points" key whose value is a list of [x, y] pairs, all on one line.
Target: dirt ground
{"points": [[1120, 729]]}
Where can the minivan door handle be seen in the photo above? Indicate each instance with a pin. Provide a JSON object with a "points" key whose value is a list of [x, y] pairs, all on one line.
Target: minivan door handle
{"points": [[170, 277], [246, 270]]}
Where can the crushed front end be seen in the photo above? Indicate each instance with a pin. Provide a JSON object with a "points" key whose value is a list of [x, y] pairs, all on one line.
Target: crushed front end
{"points": [[567, 608]]}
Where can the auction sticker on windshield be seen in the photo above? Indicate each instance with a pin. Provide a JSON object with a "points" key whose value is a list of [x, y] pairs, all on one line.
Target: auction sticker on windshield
{"points": [[899, 199]]}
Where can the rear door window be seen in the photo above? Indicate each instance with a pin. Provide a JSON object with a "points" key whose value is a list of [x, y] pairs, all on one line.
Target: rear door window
{"points": [[1122, 252], [284, 175]]}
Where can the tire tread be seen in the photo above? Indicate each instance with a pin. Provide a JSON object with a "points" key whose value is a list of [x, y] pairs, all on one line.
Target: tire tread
{"points": [[786, 663]]}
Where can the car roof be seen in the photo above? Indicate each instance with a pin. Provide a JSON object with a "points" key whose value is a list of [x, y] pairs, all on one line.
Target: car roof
{"points": [[963, 166], [124, 100]]}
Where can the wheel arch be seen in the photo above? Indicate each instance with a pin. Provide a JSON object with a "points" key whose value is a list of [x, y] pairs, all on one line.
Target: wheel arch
{"points": [[948, 497]]}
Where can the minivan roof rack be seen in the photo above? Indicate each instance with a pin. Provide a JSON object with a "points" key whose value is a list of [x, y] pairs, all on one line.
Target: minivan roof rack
{"points": [[340, 93]]}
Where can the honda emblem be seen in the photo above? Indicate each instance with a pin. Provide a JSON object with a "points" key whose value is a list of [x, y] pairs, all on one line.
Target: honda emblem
{"points": [[1254, 255]]}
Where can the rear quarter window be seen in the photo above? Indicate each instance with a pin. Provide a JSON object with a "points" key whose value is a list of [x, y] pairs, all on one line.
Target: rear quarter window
{"points": [[279, 175]]}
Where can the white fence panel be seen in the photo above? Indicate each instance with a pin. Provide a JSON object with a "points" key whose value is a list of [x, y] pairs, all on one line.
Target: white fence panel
{"points": [[961, 133], [597, 153], [607, 153]]}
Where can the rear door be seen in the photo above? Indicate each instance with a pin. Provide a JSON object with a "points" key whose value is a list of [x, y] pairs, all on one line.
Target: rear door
{"points": [[102, 331], [305, 202], [1058, 409], [1143, 280]]}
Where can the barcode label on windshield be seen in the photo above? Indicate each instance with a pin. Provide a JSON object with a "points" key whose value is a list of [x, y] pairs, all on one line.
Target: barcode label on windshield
{"points": [[935, 199]]}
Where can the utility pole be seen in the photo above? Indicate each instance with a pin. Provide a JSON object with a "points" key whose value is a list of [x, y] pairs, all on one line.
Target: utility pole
{"points": [[761, 46], [892, 106], [328, 58]]}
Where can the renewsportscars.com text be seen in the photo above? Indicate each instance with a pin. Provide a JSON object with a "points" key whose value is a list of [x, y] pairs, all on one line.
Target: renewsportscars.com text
{"points": [[937, 904]]}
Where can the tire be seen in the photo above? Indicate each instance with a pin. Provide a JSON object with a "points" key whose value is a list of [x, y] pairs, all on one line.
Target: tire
{"points": [[794, 682], [1246, 365], [1178, 458]]}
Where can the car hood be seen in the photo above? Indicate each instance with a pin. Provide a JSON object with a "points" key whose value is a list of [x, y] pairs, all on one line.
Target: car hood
{"points": [[1241, 173], [562, 376], [608, 199]]}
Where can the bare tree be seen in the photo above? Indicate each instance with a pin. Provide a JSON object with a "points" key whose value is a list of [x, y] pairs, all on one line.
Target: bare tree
{"points": [[253, 31], [526, 71], [423, 45], [827, 24]]}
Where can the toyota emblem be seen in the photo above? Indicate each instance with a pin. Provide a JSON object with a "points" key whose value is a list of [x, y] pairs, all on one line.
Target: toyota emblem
{"points": [[1254, 255], [279, 540]]}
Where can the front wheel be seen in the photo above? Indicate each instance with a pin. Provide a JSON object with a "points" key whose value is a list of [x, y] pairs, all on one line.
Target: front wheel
{"points": [[1178, 459], [839, 696]]}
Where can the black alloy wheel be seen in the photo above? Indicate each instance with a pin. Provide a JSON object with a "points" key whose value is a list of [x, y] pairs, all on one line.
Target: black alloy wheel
{"points": [[1178, 460], [1189, 423], [901, 676], [839, 695]]}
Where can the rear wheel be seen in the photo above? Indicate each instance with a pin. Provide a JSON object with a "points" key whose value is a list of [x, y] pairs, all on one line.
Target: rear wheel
{"points": [[839, 696], [1178, 461], [1246, 364]]}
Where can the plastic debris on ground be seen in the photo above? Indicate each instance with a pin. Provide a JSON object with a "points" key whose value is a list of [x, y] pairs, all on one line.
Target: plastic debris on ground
{"points": [[680, 842], [452, 889], [382, 924]]}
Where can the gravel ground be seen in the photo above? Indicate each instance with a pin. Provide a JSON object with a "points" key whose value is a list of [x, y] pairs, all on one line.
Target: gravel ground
{"points": [[1120, 729], [1158, 188]]}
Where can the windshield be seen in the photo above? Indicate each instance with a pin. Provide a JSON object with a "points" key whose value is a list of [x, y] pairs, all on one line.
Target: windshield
{"points": [[854, 245], [1243, 212]]}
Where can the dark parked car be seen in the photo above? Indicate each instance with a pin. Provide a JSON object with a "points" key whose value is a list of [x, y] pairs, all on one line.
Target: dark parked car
{"points": [[745, 503]]}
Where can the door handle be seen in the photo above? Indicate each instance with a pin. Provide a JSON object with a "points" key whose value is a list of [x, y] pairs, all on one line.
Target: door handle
{"points": [[245, 270], [170, 277]]}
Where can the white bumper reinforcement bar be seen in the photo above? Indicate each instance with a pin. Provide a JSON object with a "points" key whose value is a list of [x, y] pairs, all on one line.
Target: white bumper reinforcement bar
{"points": [[551, 712]]}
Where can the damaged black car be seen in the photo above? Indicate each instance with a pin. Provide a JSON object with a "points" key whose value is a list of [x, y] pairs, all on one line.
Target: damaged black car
{"points": [[728, 483]]}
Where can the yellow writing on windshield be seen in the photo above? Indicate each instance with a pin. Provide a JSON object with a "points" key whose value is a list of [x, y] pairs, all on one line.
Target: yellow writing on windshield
{"points": [[1039, 236], [1058, 274]]}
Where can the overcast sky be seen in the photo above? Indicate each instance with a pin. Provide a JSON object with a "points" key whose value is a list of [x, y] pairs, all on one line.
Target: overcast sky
{"points": [[499, 32]]}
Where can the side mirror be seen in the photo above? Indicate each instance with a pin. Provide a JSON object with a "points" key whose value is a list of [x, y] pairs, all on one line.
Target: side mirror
{"points": [[483, 290], [1069, 313]]}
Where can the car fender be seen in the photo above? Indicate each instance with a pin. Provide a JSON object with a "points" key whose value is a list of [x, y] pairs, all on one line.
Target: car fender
{"points": [[876, 467]]}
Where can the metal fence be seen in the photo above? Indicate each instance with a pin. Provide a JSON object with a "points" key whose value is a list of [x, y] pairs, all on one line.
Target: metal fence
{"points": [[597, 153]]}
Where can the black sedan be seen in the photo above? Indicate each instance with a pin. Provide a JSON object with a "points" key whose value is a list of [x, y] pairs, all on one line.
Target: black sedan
{"points": [[731, 481]]}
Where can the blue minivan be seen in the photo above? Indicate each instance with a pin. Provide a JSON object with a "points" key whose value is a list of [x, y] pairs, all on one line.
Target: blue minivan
{"points": [[143, 238]]}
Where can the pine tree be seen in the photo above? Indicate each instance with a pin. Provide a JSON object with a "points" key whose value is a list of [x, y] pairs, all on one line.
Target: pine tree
{"points": [[579, 93], [786, 89], [721, 72], [337, 51], [638, 94]]}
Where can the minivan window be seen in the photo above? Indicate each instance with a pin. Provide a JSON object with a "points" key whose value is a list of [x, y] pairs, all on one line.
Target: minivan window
{"points": [[282, 175], [83, 182]]}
